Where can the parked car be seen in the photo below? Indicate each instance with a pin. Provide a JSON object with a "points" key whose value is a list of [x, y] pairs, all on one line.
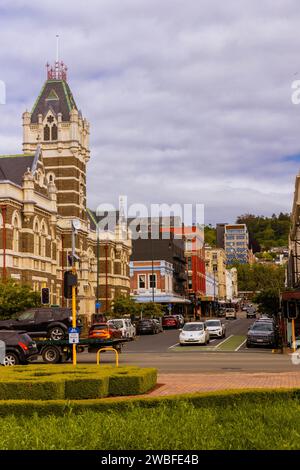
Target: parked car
{"points": [[104, 331], [127, 329], [262, 334], [216, 328], [221, 312], [19, 347], [159, 324], [230, 313], [170, 321], [147, 326], [52, 322], [180, 319], [251, 312], [194, 333]]}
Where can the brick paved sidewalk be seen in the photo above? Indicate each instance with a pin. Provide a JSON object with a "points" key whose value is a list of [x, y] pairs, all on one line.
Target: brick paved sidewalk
{"points": [[171, 384]]}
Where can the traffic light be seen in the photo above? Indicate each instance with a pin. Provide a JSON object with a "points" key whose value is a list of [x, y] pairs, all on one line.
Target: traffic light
{"points": [[45, 296], [70, 280], [292, 310]]}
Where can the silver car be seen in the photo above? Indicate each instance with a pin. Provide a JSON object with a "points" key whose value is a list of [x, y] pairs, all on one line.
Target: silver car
{"points": [[216, 328]]}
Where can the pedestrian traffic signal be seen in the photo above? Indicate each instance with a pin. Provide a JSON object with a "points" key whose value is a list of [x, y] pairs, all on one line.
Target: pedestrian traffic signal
{"points": [[45, 296], [70, 280]]}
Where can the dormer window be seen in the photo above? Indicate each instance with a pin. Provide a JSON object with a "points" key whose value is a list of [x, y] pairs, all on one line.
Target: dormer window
{"points": [[50, 129]]}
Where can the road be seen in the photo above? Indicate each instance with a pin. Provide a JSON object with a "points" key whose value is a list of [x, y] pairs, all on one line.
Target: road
{"points": [[162, 351]]}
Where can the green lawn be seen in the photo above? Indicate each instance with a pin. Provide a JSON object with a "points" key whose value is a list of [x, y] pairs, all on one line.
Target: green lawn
{"points": [[231, 343], [265, 424]]}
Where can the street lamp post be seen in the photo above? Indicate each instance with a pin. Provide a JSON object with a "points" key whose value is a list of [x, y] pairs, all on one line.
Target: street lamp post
{"points": [[152, 267], [98, 271]]}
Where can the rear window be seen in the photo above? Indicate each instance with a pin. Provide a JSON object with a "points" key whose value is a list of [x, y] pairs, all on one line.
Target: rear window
{"points": [[99, 327], [116, 323]]}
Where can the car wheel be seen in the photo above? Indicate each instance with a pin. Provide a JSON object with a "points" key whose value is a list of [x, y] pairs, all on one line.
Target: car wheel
{"points": [[51, 355], [57, 333], [11, 359]]}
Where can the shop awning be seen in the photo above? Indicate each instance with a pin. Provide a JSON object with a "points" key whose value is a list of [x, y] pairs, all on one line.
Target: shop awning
{"points": [[161, 299]]}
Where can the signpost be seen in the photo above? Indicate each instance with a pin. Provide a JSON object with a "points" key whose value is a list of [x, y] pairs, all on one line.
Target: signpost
{"points": [[73, 335], [98, 305]]}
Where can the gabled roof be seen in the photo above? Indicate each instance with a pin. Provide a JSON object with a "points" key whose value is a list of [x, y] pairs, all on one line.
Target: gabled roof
{"points": [[112, 219], [55, 94], [13, 167]]}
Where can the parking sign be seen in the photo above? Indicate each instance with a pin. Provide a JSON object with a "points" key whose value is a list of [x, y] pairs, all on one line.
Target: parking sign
{"points": [[73, 335]]}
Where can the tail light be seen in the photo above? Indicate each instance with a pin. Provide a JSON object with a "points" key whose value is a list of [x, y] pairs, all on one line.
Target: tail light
{"points": [[23, 346]]}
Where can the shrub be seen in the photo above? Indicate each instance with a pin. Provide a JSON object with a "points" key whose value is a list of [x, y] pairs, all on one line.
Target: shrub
{"points": [[55, 382]]}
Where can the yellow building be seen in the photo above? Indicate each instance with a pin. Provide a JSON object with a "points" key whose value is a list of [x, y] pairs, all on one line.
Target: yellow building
{"points": [[215, 263]]}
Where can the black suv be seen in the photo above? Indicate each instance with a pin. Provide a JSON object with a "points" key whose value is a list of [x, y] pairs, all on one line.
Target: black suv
{"points": [[262, 333], [52, 322], [19, 347]]}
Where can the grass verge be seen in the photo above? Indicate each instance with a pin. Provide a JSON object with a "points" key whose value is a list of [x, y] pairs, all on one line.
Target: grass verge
{"points": [[253, 419]]}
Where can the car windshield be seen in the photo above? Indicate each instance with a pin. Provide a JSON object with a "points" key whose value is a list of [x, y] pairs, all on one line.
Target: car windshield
{"points": [[26, 316], [262, 327], [117, 323], [213, 323], [193, 327]]}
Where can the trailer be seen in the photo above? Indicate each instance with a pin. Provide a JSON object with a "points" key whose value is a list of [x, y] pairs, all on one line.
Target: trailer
{"points": [[59, 351]]}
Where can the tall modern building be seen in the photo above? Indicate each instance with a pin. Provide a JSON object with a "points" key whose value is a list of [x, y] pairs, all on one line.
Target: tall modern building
{"points": [[236, 241]]}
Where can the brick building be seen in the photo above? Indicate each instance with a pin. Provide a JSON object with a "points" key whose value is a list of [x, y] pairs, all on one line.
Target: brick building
{"points": [[42, 190]]}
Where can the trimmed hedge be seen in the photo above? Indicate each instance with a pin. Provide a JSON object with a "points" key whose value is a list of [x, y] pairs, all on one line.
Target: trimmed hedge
{"points": [[229, 398], [59, 382]]}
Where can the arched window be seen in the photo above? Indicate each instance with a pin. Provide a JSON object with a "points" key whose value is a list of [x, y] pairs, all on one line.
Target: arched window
{"points": [[16, 228], [36, 236], [46, 132], [43, 241], [51, 177], [54, 132], [112, 261]]}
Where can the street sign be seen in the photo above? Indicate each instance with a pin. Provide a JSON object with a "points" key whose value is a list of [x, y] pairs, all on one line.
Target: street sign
{"points": [[73, 335], [98, 304]]}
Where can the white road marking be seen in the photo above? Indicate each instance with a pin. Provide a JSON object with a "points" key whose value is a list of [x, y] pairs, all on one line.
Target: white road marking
{"points": [[174, 346], [240, 345], [224, 340]]}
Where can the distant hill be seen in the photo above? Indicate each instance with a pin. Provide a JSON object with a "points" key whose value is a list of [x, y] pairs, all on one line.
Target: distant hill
{"points": [[266, 232]]}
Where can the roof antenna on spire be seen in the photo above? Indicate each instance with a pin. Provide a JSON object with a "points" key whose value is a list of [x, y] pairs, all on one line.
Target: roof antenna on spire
{"points": [[59, 70], [57, 47]]}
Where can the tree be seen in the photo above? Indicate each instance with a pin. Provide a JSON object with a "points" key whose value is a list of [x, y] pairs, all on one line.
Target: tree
{"points": [[124, 306], [151, 309], [268, 301], [259, 277], [266, 232], [210, 235], [16, 297]]}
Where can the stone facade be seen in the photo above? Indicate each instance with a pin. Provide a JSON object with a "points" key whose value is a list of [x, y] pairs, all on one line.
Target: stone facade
{"points": [[41, 192]]}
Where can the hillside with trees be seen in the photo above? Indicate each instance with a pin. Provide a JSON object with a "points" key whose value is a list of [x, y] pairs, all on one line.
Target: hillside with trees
{"points": [[266, 232]]}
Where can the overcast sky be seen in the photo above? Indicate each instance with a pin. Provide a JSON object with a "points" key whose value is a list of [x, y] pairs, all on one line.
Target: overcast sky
{"points": [[189, 100]]}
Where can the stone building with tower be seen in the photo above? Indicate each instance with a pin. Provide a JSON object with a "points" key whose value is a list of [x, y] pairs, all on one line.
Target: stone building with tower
{"points": [[42, 190]]}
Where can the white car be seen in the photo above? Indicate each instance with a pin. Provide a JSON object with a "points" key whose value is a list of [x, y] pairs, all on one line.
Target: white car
{"points": [[194, 333], [230, 313], [216, 328], [124, 324]]}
